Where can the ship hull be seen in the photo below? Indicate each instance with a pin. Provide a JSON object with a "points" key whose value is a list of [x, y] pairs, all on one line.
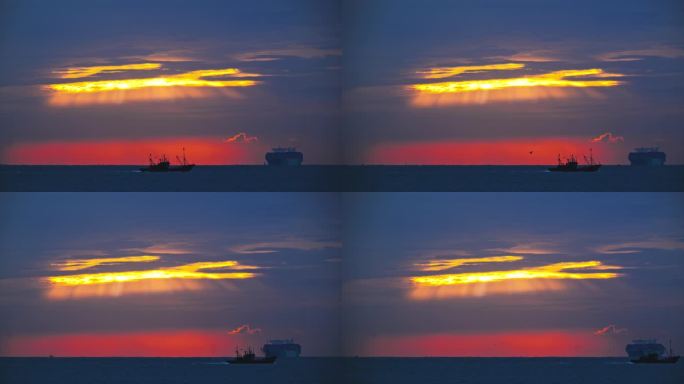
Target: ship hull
{"points": [[284, 158], [282, 350], [259, 360], [649, 159], [657, 360], [180, 168], [587, 168]]}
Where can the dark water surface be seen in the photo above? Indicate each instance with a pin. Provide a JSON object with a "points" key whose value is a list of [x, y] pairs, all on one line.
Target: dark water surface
{"points": [[337, 370], [316, 178]]}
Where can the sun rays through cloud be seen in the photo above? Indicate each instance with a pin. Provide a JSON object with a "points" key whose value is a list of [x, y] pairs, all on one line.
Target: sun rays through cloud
{"points": [[480, 283], [190, 84], [555, 84], [160, 279]]}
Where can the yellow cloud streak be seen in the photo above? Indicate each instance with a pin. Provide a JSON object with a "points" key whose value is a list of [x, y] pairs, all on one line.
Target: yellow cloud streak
{"points": [[552, 271], [442, 72], [78, 72], [440, 265], [187, 271], [187, 79], [79, 264], [552, 79]]}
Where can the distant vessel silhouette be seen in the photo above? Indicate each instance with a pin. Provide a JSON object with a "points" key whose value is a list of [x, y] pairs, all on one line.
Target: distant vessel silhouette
{"points": [[647, 157], [571, 164], [282, 348], [284, 156], [164, 165], [248, 357], [649, 352]]}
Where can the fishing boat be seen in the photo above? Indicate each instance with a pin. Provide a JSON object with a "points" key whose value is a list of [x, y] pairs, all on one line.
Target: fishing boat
{"points": [[571, 164], [163, 164], [249, 357]]}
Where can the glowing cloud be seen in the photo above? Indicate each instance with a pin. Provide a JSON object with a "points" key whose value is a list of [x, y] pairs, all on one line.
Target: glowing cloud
{"points": [[440, 265], [546, 85], [607, 137], [610, 330], [241, 137], [640, 54], [245, 328], [79, 72], [79, 264], [187, 271], [187, 79], [442, 72], [551, 271], [552, 79], [275, 246], [181, 85]]}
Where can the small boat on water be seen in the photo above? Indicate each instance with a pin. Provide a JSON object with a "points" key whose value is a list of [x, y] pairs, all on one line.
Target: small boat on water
{"points": [[248, 357], [164, 165], [571, 164], [650, 352]]}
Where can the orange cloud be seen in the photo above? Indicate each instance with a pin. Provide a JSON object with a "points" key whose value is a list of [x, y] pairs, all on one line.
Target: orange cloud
{"points": [[79, 264], [481, 283], [115, 91], [443, 264], [556, 271], [241, 137], [79, 72], [442, 72], [545, 85], [610, 330], [245, 328], [607, 137], [186, 271]]}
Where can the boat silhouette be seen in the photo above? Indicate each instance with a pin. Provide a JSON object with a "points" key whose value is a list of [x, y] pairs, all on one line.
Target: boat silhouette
{"points": [[650, 352], [248, 357], [571, 164], [163, 164]]}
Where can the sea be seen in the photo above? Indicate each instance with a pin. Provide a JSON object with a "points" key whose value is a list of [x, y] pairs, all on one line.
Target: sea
{"points": [[338, 370], [332, 178]]}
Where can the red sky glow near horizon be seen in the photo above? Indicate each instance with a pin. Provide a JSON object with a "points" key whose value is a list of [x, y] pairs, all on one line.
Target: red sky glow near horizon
{"points": [[535, 151], [199, 150], [562, 343]]}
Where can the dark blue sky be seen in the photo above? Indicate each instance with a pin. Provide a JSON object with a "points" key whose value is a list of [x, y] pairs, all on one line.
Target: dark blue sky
{"points": [[294, 46], [293, 239], [387, 235], [333, 78], [387, 42]]}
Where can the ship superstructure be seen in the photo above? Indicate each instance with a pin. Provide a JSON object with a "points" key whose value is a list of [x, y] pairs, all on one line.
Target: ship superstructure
{"points": [[644, 156], [649, 351], [282, 348], [284, 156]]}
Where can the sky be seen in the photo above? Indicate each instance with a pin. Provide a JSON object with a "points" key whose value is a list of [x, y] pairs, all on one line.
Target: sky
{"points": [[354, 82], [511, 82], [173, 274], [113, 81], [362, 274], [510, 274]]}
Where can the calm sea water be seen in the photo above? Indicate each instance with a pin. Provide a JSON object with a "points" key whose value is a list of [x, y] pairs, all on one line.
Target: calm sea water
{"points": [[315, 178], [337, 370]]}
